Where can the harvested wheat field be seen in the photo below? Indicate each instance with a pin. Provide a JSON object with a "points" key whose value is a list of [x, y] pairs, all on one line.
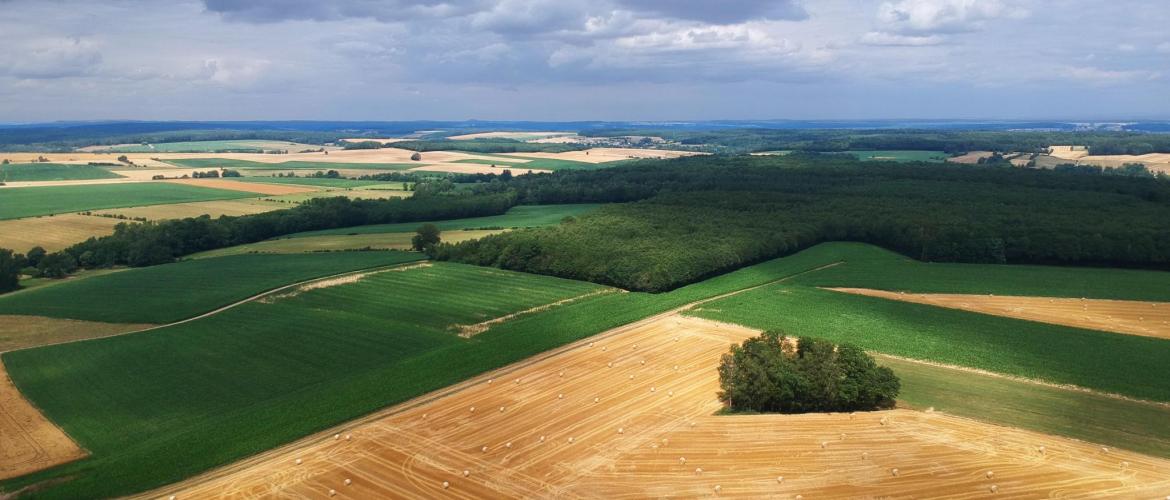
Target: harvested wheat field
{"points": [[28, 441], [20, 332], [251, 187], [195, 209], [472, 168], [1068, 152], [970, 158], [517, 136], [603, 155], [630, 414], [53, 232], [1148, 319]]}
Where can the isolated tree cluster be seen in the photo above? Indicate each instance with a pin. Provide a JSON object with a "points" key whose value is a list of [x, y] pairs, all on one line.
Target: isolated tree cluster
{"points": [[769, 374]]}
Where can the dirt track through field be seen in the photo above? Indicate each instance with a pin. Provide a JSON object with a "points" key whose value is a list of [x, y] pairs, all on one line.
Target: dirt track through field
{"points": [[629, 414], [28, 442], [1148, 319]]}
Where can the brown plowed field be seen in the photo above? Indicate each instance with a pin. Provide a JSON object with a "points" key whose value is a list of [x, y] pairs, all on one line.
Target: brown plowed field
{"points": [[28, 441], [1148, 319], [571, 425]]}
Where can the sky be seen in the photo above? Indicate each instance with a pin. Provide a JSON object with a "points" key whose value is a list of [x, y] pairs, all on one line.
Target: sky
{"points": [[562, 60]]}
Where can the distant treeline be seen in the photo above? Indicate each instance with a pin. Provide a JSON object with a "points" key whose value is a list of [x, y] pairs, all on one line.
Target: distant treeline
{"points": [[159, 242], [471, 146], [698, 217], [950, 141]]}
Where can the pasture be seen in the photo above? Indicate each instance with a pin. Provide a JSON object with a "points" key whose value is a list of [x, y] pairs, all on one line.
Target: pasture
{"points": [[22, 202], [172, 292], [518, 216], [53, 232], [901, 156], [25, 172], [339, 242], [633, 413], [213, 209]]}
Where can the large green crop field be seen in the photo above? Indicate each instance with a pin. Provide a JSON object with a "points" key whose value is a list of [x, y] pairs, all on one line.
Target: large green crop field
{"points": [[21, 172], [901, 156], [171, 292], [16, 203], [519, 216], [287, 165]]}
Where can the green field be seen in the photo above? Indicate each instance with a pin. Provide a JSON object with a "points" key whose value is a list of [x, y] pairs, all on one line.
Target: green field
{"points": [[171, 292], [336, 242], [212, 146], [1027, 349], [1132, 425], [214, 390], [539, 163], [287, 165], [314, 181], [22, 172], [901, 156], [519, 216], [32, 201]]}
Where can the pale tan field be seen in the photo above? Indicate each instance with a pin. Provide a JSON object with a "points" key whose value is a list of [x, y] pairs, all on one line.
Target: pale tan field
{"points": [[28, 441], [52, 232], [602, 155], [1148, 319], [333, 243], [20, 332], [475, 168], [1156, 162], [970, 158], [250, 187], [387, 140], [196, 209], [1068, 152], [518, 136], [630, 414]]}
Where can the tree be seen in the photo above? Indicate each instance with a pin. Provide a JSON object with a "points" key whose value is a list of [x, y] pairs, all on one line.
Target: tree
{"points": [[34, 256], [57, 265], [426, 238], [416, 157], [5, 162], [124, 159], [506, 175], [10, 267], [770, 374]]}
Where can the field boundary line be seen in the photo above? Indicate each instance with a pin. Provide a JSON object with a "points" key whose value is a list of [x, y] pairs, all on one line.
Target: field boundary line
{"points": [[231, 305], [449, 390], [468, 331]]}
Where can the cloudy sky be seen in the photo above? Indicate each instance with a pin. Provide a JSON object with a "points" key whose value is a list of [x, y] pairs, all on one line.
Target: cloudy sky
{"points": [[584, 59]]}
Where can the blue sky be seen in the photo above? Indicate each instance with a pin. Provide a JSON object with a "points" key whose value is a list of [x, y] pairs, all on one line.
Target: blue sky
{"points": [[584, 59]]}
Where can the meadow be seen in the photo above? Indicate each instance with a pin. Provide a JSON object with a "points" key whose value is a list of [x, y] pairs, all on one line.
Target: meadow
{"points": [[172, 292], [287, 165], [22, 172], [308, 364], [313, 181], [16, 203], [518, 216], [338, 242], [901, 155]]}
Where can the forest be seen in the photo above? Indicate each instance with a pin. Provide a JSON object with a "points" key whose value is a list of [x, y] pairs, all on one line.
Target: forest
{"points": [[688, 219]]}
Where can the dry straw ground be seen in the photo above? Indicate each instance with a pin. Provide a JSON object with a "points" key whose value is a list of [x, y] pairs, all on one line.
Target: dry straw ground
{"points": [[28, 441], [1150, 319], [52, 232], [630, 414]]}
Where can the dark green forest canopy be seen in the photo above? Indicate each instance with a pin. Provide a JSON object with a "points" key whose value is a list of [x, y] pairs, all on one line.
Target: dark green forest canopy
{"points": [[697, 217]]}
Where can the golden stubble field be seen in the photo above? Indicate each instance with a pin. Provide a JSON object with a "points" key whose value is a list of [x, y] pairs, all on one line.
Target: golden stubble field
{"points": [[630, 414], [1149, 319], [28, 441]]}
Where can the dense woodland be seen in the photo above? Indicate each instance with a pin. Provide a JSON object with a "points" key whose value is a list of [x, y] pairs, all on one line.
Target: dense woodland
{"points": [[692, 218], [950, 141]]}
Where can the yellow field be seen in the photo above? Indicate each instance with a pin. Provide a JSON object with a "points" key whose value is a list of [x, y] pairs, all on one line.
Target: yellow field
{"points": [[52, 232], [630, 414], [195, 209], [602, 155], [474, 168], [1149, 319], [250, 187], [518, 136]]}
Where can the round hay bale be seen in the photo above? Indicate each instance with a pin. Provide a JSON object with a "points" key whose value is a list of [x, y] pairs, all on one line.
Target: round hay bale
{"points": [[894, 472], [799, 497], [682, 460], [609, 365], [643, 361], [501, 409], [561, 374], [865, 455], [670, 393], [508, 445], [883, 421], [824, 444], [570, 439], [517, 381], [542, 439], [1104, 449], [591, 344], [631, 377], [602, 348], [698, 470], [993, 488], [676, 368], [718, 488], [1042, 450], [472, 409], [446, 485], [483, 450], [676, 339], [560, 396], [338, 436], [1124, 465], [347, 437], [779, 479], [596, 400], [172, 497], [651, 389], [989, 474], [298, 461], [348, 482], [466, 473], [332, 492], [425, 416], [635, 346], [842, 436], [621, 430]]}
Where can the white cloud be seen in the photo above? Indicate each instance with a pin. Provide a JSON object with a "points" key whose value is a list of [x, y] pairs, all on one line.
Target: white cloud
{"points": [[1097, 76], [944, 16], [50, 58], [882, 38]]}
